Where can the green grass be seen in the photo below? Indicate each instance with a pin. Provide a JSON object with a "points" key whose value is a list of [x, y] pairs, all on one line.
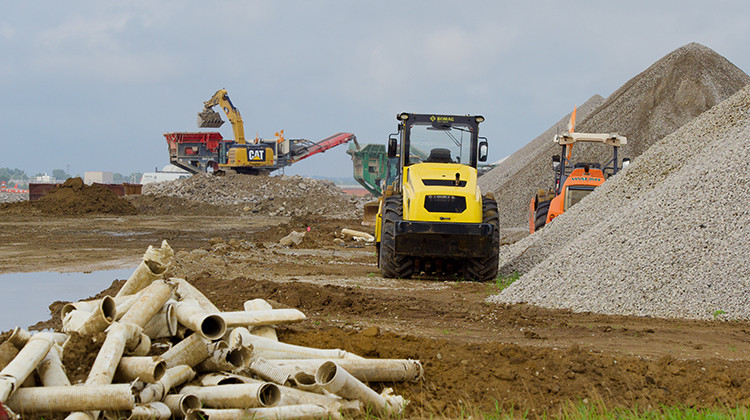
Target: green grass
{"points": [[501, 282]]}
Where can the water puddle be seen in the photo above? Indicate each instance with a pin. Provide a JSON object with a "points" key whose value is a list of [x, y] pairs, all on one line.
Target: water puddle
{"points": [[25, 297]]}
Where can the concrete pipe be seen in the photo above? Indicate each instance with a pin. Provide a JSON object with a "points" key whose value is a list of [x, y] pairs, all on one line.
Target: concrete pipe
{"points": [[366, 370], [182, 404], [190, 351], [58, 399], [236, 395], [358, 234], [332, 403], [260, 318], [19, 337], [238, 336], [51, 370], [163, 324], [300, 412], [226, 359], [269, 371], [266, 331], [105, 364], [138, 347], [338, 381], [190, 314], [264, 347], [148, 369], [224, 378], [155, 263], [173, 377], [185, 290], [89, 323], [149, 411], [148, 304], [27, 359]]}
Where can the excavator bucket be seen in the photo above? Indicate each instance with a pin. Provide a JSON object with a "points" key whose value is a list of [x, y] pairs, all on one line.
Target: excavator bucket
{"points": [[371, 211], [209, 118]]}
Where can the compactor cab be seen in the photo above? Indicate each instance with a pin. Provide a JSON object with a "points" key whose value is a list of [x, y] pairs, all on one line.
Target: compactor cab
{"points": [[573, 181], [433, 218]]}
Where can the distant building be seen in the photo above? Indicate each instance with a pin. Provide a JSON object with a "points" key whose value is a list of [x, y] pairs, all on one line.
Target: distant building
{"points": [[168, 173], [98, 177], [42, 179]]}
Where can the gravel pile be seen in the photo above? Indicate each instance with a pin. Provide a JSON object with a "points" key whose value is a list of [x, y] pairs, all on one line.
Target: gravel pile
{"points": [[653, 104], [668, 237], [6, 197], [274, 196], [517, 177]]}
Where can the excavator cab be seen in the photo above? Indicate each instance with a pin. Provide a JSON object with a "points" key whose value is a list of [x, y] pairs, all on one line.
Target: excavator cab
{"points": [[434, 218]]}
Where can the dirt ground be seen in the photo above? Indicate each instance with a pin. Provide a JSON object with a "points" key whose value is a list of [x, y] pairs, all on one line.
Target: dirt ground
{"points": [[475, 354]]}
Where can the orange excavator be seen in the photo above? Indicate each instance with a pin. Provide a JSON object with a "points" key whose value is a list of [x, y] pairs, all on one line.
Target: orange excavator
{"points": [[573, 180]]}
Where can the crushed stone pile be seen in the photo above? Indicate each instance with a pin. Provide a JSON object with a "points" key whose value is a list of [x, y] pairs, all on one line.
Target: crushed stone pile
{"points": [[667, 237], [6, 197], [516, 178], [273, 196], [656, 102]]}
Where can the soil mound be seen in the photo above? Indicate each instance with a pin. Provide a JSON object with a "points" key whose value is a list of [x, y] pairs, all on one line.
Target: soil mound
{"points": [[666, 237], [73, 197], [273, 196], [670, 93]]}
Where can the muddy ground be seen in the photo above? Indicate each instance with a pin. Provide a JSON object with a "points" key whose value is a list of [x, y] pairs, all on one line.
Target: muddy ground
{"points": [[475, 354]]}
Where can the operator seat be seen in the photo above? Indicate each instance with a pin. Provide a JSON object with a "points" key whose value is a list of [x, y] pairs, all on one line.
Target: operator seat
{"points": [[440, 155]]}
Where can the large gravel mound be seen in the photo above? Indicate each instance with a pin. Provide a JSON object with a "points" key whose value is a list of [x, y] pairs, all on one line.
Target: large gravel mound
{"points": [[667, 237], [274, 196], [651, 105], [516, 178]]}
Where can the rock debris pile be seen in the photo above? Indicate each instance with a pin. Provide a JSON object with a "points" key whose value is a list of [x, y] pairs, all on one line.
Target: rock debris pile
{"points": [[667, 237], [6, 197], [163, 350], [273, 196], [656, 102]]}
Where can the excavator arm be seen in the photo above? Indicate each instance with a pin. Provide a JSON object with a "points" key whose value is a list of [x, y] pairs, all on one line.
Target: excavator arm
{"points": [[208, 118]]}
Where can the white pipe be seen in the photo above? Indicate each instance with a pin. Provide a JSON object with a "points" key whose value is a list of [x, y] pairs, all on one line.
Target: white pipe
{"points": [[148, 369], [226, 359], [306, 382], [148, 304], [155, 262], [332, 403], [118, 336], [149, 411], [190, 351], [163, 324], [58, 399], [238, 336], [173, 376], [88, 323], [266, 331], [51, 370], [185, 290], [16, 372], [263, 317], [140, 346], [190, 314], [269, 371], [182, 404], [357, 234], [19, 337], [225, 378], [236, 395], [264, 347], [366, 370], [300, 412], [338, 381]]}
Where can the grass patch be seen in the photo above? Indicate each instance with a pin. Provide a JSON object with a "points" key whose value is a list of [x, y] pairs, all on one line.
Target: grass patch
{"points": [[501, 282]]}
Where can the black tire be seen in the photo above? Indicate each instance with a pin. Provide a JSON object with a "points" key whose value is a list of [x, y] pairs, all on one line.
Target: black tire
{"points": [[485, 268], [540, 218], [392, 265]]}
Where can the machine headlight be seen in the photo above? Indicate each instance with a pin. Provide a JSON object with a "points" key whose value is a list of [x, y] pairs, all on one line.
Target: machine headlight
{"points": [[403, 116], [479, 119]]}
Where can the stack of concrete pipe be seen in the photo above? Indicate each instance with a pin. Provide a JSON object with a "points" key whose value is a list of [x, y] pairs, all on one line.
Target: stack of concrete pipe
{"points": [[219, 365]]}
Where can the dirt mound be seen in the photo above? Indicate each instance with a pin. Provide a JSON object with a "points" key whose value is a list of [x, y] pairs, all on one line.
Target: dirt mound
{"points": [[651, 105], [73, 197], [273, 196], [667, 237]]}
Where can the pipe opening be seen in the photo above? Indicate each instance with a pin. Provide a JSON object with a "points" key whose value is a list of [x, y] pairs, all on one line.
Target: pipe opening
{"points": [[189, 402], [303, 378], [155, 267], [171, 320], [66, 309], [160, 369], [326, 372], [269, 395], [109, 308], [213, 327], [239, 356]]}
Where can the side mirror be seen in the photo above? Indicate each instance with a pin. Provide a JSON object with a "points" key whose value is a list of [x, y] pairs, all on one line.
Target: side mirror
{"points": [[392, 147], [555, 161], [483, 151], [625, 163]]}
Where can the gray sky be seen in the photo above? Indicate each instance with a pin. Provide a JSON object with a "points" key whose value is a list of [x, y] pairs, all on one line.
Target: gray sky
{"points": [[92, 85]]}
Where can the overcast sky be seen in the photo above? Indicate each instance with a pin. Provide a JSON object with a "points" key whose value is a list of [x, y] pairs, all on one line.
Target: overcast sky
{"points": [[92, 85]]}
